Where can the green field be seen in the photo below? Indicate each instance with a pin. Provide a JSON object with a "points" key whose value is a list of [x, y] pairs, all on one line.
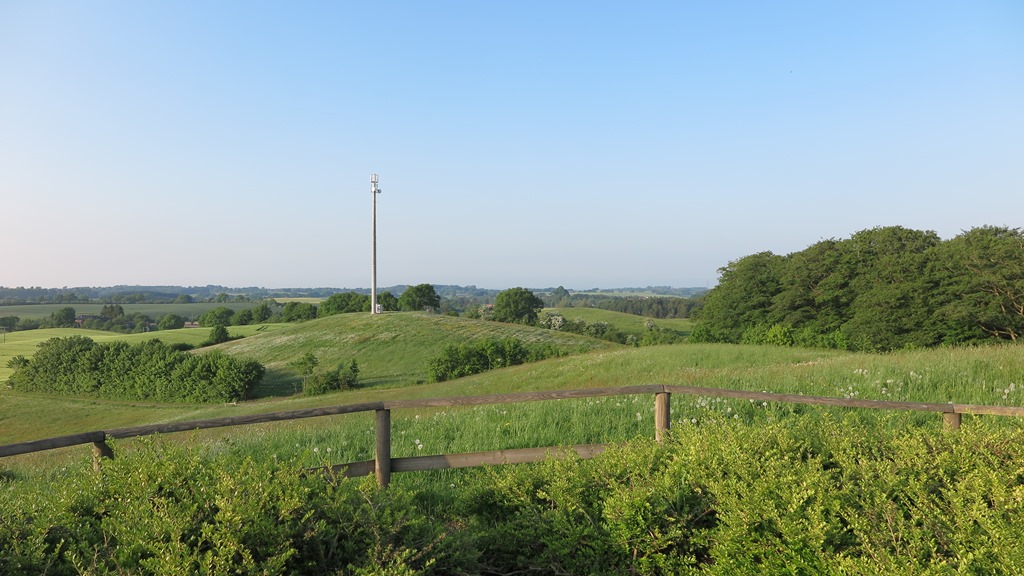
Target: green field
{"points": [[394, 349], [740, 487], [630, 323], [187, 311]]}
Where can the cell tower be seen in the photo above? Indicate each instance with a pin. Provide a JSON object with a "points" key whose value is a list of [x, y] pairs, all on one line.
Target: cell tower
{"points": [[374, 307]]}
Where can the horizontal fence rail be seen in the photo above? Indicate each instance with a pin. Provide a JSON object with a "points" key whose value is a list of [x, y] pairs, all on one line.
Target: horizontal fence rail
{"points": [[383, 464]]}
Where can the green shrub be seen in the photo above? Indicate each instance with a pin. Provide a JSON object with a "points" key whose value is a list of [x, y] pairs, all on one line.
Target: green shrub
{"points": [[341, 378], [149, 370], [458, 360], [163, 510], [804, 494]]}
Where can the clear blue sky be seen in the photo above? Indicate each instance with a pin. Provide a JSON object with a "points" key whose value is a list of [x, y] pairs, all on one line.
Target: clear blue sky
{"points": [[527, 143]]}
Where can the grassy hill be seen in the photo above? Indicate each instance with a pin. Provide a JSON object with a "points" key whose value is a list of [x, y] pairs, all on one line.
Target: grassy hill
{"points": [[392, 349], [761, 482]]}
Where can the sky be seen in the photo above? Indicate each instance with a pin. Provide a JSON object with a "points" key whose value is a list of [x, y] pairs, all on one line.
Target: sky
{"points": [[587, 144]]}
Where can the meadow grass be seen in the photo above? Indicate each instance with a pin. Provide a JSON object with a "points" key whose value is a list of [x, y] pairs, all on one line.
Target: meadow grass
{"points": [[630, 323], [985, 375], [392, 349]]}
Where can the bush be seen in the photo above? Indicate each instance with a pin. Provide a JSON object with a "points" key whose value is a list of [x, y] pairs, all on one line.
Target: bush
{"points": [[811, 494], [165, 510], [458, 360], [341, 378], [149, 370]]}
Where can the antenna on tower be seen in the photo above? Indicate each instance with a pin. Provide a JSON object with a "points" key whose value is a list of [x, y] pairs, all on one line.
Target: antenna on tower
{"points": [[374, 307]]}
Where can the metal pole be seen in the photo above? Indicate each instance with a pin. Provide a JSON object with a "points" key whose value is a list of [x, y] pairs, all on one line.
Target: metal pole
{"points": [[373, 270]]}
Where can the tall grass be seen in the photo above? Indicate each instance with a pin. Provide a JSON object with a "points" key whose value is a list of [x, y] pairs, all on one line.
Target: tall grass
{"points": [[984, 375]]}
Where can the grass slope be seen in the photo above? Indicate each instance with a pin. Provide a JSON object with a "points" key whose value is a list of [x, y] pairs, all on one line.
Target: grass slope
{"points": [[24, 343], [392, 349], [990, 375]]}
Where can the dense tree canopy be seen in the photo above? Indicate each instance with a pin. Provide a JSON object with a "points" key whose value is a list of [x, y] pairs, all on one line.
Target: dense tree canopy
{"points": [[220, 316], [418, 297], [517, 305], [298, 311], [387, 301], [149, 370], [882, 289], [344, 302], [171, 322], [62, 318]]}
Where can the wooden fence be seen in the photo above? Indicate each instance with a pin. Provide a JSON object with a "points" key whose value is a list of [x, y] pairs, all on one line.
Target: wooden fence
{"points": [[383, 465]]}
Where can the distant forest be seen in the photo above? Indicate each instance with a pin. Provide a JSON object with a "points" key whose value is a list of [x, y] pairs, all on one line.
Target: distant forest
{"points": [[655, 301], [882, 289]]}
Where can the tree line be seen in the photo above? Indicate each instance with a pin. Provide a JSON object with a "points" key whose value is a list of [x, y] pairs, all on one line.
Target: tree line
{"points": [[884, 288], [648, 306]]}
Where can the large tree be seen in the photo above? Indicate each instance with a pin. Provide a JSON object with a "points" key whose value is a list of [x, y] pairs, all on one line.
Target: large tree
{"points": [[171, 322], [982, 272], [219, 316], [63, 318], [743, 298], [261, 313], [295, 311], [418, 297], [344, 302], [387, 301], [891, 291], [517, 305]]}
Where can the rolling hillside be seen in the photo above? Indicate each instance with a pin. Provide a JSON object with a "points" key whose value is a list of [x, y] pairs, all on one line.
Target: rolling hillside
{"points": [[392, 349]]}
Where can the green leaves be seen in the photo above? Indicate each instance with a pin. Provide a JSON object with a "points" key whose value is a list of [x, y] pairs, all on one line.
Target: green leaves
{"points": [[149, 370], [882, 289], [458, 360], [419, 297], [517, 305]]}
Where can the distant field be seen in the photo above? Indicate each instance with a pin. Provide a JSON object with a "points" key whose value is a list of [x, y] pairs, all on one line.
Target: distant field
{"points": [[628, 293], [24, 342], [187, 311], [303, 300], [625, 322], [622, 294]]}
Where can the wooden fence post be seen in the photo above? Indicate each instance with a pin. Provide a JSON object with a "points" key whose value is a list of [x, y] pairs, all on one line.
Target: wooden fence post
{"points": [[382, 454], [100, 450], [662, 415], [951, 420]]}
